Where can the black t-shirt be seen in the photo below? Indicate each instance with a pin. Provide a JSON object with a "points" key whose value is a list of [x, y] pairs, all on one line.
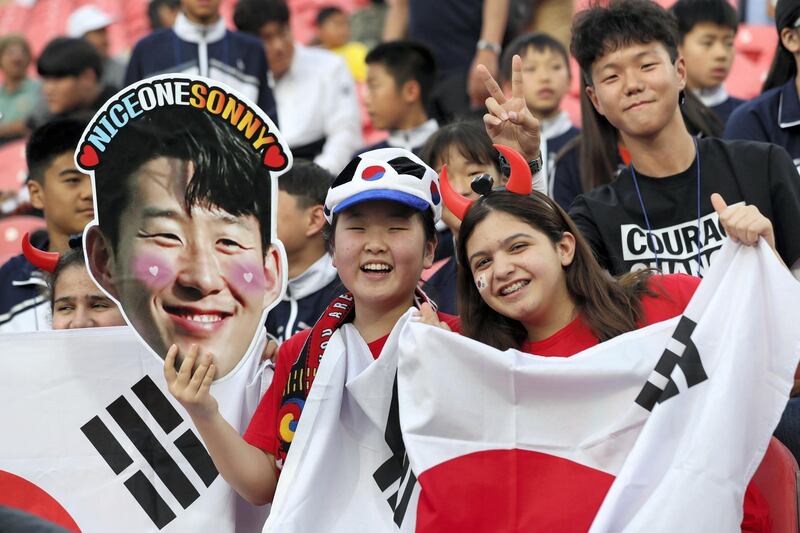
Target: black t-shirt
{"points": [[451, 28], [759, 174]]}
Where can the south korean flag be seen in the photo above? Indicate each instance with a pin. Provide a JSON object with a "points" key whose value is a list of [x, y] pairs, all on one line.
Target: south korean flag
{"points": [[93, 441]]}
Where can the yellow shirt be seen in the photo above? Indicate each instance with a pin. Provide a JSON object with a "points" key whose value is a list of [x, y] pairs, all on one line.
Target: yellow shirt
{"points": [[353, 54]]}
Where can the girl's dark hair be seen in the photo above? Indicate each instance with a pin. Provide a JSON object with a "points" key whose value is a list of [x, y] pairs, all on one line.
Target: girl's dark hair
{"points": [[609, 306], [469, 136], [597, 144], [69, 259], [783, 68], [426, 217]]}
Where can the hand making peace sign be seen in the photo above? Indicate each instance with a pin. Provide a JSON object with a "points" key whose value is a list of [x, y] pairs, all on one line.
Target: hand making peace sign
{"points": [[509, 122]]}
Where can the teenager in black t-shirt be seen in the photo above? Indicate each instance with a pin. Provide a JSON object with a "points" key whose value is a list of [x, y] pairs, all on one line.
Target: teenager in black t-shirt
{"points": [[762, 175], [658, 212]]}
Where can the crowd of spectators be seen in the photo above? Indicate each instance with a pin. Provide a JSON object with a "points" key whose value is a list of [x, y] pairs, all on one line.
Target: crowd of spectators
{"points": [[413, 74]]}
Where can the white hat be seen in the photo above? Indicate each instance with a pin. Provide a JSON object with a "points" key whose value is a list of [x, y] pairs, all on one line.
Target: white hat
{"points": [[85, 19], [387, 174]]}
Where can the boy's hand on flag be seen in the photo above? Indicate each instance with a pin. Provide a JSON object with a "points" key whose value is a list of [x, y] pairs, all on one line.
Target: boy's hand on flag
{"points": [[428, 316], [743, 223], [192, 388]]}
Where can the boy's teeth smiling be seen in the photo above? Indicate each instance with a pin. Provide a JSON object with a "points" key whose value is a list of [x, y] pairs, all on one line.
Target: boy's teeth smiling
{"points": [[203, 318], [376, 267], [207, 317], [514, 287]]}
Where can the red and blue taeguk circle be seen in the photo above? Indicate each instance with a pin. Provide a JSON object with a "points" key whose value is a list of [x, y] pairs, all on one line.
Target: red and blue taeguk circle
{"points": [[435, 193], [373, 173]]}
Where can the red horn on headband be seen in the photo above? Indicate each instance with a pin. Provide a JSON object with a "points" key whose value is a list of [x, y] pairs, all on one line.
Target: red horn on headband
{"points": [[39, 258], [456, 203], [520, 181]]}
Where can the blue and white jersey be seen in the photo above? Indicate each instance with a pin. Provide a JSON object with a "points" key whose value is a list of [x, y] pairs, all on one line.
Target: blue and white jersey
{"points": [[231, 57]]}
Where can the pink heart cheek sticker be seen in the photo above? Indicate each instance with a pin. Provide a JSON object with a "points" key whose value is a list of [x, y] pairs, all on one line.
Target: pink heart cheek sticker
{"points": [[152, 271], [247, 277]]}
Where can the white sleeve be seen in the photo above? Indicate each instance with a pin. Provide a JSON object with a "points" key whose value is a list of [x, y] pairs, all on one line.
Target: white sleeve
{"points": [[341, 119], [540, 178]]}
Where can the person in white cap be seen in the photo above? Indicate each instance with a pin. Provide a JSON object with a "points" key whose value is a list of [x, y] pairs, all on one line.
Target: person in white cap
{"points": [[381, 212], [91, 23]]}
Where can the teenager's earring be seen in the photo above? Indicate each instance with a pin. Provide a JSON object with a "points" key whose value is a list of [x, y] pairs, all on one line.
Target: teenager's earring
{"points": [[682, 97]]}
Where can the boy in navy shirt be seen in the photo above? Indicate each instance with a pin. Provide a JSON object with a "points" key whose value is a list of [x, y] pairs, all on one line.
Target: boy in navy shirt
{"points": [[313, 280], [199, 43], [400, 77], [64, 194], [706, 29]]}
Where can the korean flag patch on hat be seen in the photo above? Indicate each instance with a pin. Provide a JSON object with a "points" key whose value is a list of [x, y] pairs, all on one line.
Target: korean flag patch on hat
{"points": [[391, 174]]}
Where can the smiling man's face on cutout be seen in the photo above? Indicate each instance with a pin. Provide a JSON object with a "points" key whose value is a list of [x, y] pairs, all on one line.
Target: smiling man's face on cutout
{"points": [[186, 274]]}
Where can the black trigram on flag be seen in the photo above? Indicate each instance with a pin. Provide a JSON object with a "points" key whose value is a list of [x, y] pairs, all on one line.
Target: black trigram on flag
{"points": [[152, 450], [682, 354], [396, 469]]}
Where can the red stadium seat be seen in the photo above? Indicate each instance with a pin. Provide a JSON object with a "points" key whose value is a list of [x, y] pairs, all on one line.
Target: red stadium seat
{"points": [[746, 77], [756, 41], [13, 169], [11, 231], [777, 479]]}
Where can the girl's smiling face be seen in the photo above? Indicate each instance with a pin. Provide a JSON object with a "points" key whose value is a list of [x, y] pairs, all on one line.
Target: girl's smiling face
{"points": [[380, 250], [79, 303], [518, 270]]}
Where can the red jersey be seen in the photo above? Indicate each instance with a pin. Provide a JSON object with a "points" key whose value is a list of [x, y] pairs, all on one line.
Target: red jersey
{"points": [[673, 292], [262, 432]]}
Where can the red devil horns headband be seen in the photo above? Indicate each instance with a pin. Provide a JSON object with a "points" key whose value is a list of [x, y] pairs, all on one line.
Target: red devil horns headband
{"points": [[40, 259], [520, 182]]}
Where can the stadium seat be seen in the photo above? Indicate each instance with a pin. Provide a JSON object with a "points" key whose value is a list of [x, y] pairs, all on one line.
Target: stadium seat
{"points": [[746, 77], [756, 42], [13, 169], [777, 479], [11, 231]]}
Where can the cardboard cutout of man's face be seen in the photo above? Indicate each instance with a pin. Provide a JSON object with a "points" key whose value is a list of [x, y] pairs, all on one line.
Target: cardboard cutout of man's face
{"points": [[183, 269]]}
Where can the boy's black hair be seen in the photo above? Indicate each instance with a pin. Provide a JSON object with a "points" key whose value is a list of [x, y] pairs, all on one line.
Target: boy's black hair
{"points": [[67, 56], [250, 15], [154, 6], [689, 13], [228, 173], [307, 182], [784, 66], [50, 140], [404, 61], [468, 137], [600, 30], [538, 41], [327, 12]]}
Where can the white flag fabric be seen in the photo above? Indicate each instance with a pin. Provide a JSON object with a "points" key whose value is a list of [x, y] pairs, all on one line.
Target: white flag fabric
{"points": [[89, 428], [540, 432], [341, 457], [660, 429]]}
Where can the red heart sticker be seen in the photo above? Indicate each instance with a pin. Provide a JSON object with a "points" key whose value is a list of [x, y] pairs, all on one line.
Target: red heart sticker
{"points": [[274, 158], [88, 157]]}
